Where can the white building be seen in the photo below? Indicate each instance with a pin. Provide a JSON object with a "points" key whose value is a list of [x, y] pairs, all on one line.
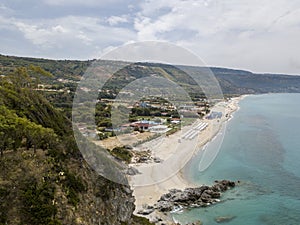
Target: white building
{"points": [[159, 129]]}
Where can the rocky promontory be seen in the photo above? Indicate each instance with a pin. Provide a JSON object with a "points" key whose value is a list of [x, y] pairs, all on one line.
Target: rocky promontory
{"points": [[202, 196]]}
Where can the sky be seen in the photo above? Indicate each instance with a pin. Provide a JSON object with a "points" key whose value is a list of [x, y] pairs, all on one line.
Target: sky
{"points": [[257, 35]]}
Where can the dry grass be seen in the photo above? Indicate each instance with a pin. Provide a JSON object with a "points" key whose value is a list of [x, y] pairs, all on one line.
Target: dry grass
{"points": [[124, 139]]}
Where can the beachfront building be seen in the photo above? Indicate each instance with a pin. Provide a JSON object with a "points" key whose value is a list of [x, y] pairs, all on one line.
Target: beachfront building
{"points": [[140, 125], [159, 129], [175, 120], [144, 124]]}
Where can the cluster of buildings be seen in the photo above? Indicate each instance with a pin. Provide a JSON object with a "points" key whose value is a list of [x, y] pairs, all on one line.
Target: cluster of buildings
{"points": [[145, 125]]}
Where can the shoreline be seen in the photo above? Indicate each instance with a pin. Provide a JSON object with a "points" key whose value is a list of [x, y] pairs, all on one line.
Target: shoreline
{"points": [[213, 137], [156, 179]]}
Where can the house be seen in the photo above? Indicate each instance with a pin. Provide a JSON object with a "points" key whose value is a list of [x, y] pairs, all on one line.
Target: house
{"points": [[144, 124], [175, 120], [141, 125]]}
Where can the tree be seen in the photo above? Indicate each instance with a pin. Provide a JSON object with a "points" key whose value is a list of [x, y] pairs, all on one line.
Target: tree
{"points": [[37, 72], [29, 76], [4, 139], [13, 129], [20, 77], [7, 127], [38, 136]]}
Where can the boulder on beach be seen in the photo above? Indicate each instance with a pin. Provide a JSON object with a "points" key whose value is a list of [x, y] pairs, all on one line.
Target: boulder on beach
{"points": [[131, 171], [147, 209], [157, 160], [164, 206]]}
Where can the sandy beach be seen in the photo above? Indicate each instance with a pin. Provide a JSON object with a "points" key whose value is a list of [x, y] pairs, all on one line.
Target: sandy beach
{"points": [[174, 151]]}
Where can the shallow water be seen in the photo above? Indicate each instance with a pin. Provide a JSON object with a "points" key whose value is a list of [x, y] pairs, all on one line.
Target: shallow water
{"points": [[261, 148]]}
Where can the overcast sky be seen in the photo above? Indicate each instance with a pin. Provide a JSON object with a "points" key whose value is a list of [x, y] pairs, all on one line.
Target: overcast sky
{"points": [[257, 35]]}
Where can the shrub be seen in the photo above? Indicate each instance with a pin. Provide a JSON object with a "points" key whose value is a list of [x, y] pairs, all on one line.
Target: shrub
{"points": [[37, 207], [122, 153], [137, 220], [73, 186]]}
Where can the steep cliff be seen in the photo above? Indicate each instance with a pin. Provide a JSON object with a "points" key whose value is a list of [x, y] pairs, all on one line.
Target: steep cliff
{"points": [[43, 177]]}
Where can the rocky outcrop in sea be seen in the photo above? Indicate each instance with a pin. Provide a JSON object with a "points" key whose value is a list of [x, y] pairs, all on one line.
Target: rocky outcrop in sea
{"points": [[202, 196]]}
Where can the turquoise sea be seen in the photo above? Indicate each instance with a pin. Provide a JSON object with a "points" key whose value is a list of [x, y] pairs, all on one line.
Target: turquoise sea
{"points": [[261, 148]]}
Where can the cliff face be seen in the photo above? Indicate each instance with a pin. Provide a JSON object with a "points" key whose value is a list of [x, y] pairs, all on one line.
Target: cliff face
{"points": [[36, 190], [104, 202], [43, 177]]}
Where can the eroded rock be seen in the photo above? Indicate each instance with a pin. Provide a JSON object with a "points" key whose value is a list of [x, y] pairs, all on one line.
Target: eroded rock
{"points": [[193, 197]]}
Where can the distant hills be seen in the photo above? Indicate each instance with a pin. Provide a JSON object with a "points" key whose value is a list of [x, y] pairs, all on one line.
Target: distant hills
{"points": [[232, 81], [243, 82]]}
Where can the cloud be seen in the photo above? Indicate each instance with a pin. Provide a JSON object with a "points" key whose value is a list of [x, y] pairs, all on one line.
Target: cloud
{"points": [[5, 12], [92, 3], [45, 36], [229, 33], [116, 20], [260, 35], [60, 36]]}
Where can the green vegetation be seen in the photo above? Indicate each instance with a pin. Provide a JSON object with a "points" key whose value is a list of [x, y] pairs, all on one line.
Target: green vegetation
{"points": [[122, 153], [4, 206], [137, 220], [102, 115], [38, 207], [172, 131], [26, 197], [29, 104], [43, 177], [14, 130], [29, 122], [152, 112], [73, 185], [24, 120], [72, 69], [232, 82]]}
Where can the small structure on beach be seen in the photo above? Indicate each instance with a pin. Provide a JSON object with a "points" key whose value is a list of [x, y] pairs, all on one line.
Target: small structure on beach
{"points": [[214, 115], [159, 129]]}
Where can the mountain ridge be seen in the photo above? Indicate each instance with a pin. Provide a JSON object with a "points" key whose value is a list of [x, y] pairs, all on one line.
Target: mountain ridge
{"points": [[232, 81], [213, 68]]}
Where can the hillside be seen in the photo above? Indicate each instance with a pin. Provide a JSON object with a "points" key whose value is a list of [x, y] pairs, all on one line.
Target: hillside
{"points": [[68, 72], [60, 68], [43, 177], [239, 81]]}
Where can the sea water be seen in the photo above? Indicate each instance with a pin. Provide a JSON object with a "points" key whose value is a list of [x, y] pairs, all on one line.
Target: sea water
{"points": [[261, 148]]}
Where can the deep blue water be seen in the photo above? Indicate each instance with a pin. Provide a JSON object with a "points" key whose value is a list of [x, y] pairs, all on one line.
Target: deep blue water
{"points": [[261, 148]]}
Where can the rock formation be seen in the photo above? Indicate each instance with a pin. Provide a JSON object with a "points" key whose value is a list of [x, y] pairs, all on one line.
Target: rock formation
{"points": [[190, 197]]}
